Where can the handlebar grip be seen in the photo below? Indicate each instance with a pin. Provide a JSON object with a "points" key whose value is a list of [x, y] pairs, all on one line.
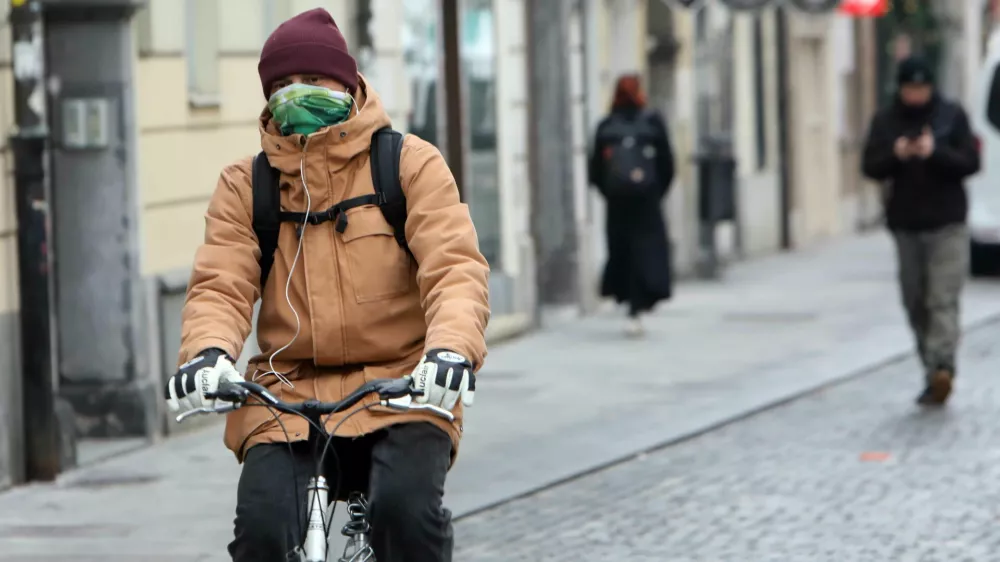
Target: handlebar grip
{"points": [[229, 392], [253, 387], [393, 388]]}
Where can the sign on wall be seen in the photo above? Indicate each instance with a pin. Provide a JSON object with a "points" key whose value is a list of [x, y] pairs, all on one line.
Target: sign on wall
{"points": [[865, 8], [857, 8]]}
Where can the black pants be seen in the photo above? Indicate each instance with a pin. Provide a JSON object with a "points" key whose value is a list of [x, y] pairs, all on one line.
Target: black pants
{"points": [[401, 469]]}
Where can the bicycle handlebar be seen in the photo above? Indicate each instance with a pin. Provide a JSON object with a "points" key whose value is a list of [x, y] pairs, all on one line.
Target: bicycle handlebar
{"points": [[395, 394]]}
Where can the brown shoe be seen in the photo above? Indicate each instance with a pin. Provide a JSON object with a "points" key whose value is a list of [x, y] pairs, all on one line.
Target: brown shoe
{"points": [[938, 389]]}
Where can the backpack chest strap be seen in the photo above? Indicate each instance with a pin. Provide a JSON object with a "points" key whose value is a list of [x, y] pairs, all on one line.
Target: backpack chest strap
{"points": [[336, 213]]}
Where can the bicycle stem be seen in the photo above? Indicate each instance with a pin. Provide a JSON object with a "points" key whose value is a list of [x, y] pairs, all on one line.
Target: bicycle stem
{"points": [[315, 545]]}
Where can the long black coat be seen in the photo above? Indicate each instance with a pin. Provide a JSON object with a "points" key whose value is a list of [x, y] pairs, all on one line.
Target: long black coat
{"points": [[639, 263]]}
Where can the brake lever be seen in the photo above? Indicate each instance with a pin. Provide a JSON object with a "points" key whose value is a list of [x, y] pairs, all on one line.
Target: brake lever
{"points": [[436, 410], [220, 408], [405, 404]]}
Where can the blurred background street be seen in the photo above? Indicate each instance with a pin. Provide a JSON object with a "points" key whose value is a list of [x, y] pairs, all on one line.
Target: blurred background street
{"points": [[765, 414], [790, 483]]}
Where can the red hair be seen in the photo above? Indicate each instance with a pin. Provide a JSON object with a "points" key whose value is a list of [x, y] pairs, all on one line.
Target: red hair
{"points": [[628, 92]]}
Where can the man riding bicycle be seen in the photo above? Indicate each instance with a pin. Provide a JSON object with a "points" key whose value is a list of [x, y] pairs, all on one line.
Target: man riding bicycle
{"points": [[345, 302]]}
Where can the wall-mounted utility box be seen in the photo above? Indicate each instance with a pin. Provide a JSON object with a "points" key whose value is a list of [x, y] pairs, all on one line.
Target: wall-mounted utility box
{"points": [[86, 123]]}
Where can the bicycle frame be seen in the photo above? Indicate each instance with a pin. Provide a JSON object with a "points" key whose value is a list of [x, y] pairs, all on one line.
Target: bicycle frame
{"points": [[394, 394]]}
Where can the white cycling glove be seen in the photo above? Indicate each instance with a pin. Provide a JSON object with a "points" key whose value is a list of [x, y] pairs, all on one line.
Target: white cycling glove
{"points": [[444, 376], [186, 390]]}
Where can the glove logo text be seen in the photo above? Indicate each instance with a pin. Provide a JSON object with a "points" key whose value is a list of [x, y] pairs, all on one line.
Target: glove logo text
{"points": [[451, 357]]}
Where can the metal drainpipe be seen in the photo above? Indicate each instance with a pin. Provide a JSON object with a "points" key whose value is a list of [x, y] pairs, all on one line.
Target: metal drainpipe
{"points": [[42, 436], [455, 106], [533, 172], [585, 254], [784, 182]]}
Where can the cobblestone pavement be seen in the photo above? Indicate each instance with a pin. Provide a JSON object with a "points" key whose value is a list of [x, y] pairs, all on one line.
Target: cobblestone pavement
{"points": [[852, 473]]}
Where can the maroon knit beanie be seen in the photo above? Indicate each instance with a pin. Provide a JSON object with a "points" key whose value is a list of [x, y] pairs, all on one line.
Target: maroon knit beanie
{"points": [[309, 43]]}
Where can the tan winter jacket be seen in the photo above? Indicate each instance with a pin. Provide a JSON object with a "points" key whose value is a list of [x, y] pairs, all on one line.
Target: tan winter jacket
{"points": [[367, 311]]}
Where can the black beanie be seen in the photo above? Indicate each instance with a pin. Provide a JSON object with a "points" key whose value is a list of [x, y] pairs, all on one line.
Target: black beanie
{"points": [[914, 70]]}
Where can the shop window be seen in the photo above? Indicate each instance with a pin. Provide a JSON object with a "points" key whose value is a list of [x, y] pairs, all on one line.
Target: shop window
{"points": [[360, 40], [203, 52], [478, 52], [421, 38]]}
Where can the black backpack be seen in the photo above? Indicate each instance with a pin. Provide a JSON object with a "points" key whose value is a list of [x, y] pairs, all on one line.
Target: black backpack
{"points": [[386, 147], [630, 166]]}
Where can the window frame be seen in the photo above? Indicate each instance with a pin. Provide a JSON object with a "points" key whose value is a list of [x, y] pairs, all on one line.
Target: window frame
{"points": [[201, 49]]}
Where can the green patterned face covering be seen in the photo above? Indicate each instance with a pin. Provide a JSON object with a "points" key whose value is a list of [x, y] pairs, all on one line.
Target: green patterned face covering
{"points": [[305, 109]]}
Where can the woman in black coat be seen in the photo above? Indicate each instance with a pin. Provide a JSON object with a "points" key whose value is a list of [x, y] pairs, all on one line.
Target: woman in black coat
{"points": [[632, 165]]}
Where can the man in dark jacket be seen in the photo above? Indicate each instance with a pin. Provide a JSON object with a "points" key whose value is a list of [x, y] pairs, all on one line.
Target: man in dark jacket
{"points": [[922, 148]]}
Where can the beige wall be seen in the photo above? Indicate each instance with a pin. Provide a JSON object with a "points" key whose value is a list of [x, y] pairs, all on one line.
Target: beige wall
{"points": [[8, 255], [512, 133], [816, 169], [183, 148], [758, 187], [682, 210]]}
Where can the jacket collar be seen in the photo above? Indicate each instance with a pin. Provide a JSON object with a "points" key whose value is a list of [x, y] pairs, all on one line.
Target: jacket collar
{"points": [[339, 144]]}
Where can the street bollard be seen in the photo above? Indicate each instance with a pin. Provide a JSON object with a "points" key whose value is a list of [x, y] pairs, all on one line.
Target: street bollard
{"points": [[716, 198]]}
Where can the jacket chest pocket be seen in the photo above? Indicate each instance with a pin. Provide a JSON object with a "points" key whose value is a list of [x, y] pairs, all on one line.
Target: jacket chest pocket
{"points": [[379, 268]]}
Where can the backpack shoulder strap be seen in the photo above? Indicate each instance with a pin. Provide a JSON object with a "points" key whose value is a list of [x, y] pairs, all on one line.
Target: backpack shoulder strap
{"points": [[266, 212], [386, 148]]}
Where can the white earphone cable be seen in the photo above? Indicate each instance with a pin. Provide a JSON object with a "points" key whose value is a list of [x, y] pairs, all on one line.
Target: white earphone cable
{"points": [[288, 283]]}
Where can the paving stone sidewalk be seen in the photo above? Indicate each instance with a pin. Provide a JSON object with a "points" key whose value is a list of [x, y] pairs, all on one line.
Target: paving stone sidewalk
{"points": [[853, 473], [570, 398]]}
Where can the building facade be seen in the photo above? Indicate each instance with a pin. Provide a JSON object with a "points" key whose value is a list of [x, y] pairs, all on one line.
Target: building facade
{"points": [[10, 405], [789, 90], [511, 91], [193, 98]]}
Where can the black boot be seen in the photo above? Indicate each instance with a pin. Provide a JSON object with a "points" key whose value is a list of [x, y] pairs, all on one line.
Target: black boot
{"points": [[938, 388]]}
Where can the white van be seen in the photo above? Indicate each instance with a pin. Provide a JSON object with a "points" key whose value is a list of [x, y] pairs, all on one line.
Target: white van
{"points": [[984, 187]]}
